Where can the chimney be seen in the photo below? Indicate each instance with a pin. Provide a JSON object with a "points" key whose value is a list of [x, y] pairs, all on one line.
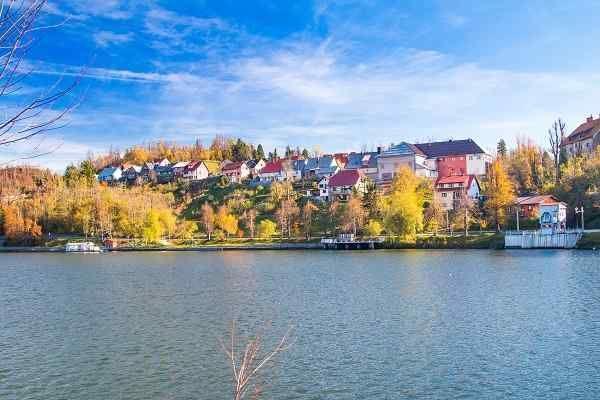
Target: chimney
{"points": [[590, 118]]}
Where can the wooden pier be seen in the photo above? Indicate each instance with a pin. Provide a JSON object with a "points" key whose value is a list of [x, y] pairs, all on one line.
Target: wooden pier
{"points": [[349, 242]]}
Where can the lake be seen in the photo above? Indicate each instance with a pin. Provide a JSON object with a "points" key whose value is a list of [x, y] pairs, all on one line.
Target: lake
{"points": [[367, 325]]}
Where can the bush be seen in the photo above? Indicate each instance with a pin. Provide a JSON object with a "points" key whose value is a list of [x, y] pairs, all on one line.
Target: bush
{"points": [[266, 229]]}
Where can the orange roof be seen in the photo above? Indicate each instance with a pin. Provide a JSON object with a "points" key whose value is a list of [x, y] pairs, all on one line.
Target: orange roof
{"points": [[464, 179], [584, 131], [537, 200]]}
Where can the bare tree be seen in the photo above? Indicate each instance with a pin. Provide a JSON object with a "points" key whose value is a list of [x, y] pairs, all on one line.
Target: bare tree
{"points": [[556, 135], [42, 112], [247, 363]]}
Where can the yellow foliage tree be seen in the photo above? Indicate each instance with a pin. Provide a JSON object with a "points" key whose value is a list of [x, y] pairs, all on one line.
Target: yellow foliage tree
{"points": [[266, 229], [500, 193], [402, 208]]}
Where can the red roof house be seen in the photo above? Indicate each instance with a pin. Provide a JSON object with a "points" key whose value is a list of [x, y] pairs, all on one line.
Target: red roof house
{"points": [[345, 183], [451, 191]]}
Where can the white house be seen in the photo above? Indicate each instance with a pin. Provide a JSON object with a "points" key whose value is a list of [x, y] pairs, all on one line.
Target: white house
{"points": [[553, 217], [345, 183], [404, 155], [272, 171], [110, 174], [236, 171], [584, 139], [454, 191], [324, 188]]}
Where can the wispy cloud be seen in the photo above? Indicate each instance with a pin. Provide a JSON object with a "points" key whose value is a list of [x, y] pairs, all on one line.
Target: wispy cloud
{"points": [[455, 20], [107, 38]]}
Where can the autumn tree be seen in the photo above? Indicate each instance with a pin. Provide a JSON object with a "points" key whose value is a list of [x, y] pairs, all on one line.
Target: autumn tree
{"points": [[285, 215], [500, 193], [207, 219], [373, 228], [402, 208], [353, 215], [266, 229], [249, 218], [434, 216], [226, 221], [307, 218]]}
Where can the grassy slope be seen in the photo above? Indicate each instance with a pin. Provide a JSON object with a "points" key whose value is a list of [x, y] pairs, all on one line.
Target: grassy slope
{"points": [[590, 241]]}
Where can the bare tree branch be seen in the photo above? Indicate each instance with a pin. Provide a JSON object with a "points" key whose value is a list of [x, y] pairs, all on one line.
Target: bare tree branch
{"points": [[246, 366], [19, 30]]}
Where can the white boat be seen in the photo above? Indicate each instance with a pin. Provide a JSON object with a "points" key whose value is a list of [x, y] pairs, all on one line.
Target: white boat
{"points": [[83, 247]]}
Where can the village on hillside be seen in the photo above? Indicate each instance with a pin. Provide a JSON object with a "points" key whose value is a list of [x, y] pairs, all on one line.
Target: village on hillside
{"points": [[159, 193]]}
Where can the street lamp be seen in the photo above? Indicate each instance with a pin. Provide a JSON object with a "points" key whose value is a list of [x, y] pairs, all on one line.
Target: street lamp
{"points": [[580, 211]]}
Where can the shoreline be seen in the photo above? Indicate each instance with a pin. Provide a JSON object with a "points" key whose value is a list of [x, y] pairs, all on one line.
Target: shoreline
{"points": [[279, 247]]}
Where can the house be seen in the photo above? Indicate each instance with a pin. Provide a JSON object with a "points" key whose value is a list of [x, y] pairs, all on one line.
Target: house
{"points": [[456, 157], [296, 172], [319, 167], [110, 175], [584, 139], [553, 217], [454, 191], [364, 162], [198, 170], [147, 172], [529, 206], [179, 168], [323, 186], [434, 159], [272, 171], [344, 184], [133, 174], [255, 166], [164, 174], [162, 162], [236, 171], [403, 155]]}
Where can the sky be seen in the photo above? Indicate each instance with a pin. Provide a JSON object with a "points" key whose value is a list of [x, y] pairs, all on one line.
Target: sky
{"points": [[342, 75]]}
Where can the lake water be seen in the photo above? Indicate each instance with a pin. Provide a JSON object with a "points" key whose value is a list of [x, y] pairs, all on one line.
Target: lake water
{"points": [[367, 325]]}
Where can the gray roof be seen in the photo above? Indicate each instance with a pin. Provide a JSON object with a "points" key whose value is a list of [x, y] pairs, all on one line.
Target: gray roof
{"points": [[299, 165], [362, 160], [449, 148], [402, 149], [312, 163]]}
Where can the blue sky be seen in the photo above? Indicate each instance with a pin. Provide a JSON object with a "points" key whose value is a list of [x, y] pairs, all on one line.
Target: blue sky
{"points": [[341, 75]]}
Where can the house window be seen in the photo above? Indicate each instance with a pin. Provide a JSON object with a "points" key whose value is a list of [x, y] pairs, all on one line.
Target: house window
{"points": [[444, 194], [471, 158], [479, 157]]}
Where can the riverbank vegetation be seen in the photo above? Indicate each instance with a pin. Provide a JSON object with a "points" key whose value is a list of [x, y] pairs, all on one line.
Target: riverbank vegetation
{"points": [[37, 205]]}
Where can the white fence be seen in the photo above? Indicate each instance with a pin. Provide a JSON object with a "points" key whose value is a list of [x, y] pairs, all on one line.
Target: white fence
{"points": [[539, 240]]}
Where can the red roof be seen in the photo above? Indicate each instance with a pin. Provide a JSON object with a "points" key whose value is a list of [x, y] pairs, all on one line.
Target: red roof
{"points": [[584, 131], [232, 166], [272, 167], [348, 177], [537, 200], [465, 180]]}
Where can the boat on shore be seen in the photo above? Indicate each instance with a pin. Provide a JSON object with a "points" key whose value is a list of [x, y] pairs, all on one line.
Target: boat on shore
{"points": [[82, 247]]}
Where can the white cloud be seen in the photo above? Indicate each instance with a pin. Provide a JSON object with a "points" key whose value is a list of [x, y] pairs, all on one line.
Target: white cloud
{"points": [[455, 20], [107, 38]]}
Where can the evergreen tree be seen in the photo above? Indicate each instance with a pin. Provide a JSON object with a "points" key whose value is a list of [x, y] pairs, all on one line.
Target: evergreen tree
{"points": [[501, 148], [260, 153]]}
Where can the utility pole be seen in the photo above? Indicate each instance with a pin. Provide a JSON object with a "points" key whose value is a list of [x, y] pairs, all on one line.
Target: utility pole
{"points": [[517, 212], [466, 222], [580, 211]]}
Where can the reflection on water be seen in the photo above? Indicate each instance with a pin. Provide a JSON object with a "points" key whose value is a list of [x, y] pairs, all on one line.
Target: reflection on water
{"points": [[377, 325]]}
